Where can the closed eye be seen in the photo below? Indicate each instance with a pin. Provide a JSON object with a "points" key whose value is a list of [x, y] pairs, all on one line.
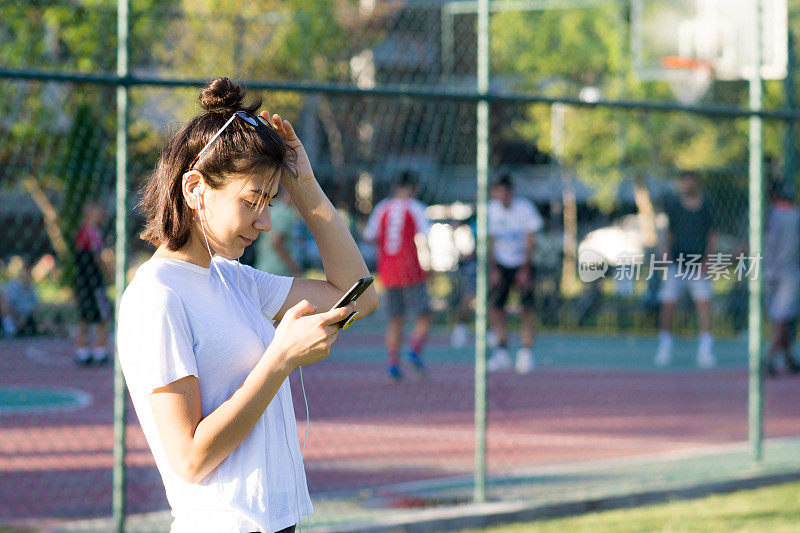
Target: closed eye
{"points": [[252, 205]]}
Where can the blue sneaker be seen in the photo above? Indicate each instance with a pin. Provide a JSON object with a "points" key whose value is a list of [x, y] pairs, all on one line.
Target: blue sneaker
{"points": [[394, 373], [416, 360]]}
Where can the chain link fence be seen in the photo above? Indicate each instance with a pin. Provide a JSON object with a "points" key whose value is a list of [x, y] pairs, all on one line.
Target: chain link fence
{"points": [[379, 91]]}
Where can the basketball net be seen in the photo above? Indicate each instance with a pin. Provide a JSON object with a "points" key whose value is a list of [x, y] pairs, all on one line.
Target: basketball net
{"points": [[689, 78]]}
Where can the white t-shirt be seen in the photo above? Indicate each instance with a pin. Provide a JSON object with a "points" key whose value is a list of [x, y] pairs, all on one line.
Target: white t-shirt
{"points": [[509, 229], [177, 319]]}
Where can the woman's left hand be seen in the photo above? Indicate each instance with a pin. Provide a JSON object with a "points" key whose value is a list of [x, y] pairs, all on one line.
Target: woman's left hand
{"points": [[286, 131]]}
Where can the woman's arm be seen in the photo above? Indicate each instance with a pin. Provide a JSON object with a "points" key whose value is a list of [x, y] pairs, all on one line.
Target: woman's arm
{"points": [[341, 257], [195, 445]]}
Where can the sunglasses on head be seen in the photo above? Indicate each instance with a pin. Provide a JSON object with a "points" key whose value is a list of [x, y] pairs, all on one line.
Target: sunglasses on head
{"points": [[257, 121]]}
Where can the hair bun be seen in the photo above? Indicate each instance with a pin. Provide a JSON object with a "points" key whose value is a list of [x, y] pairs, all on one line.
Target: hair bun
{"points": [[222, 94]]}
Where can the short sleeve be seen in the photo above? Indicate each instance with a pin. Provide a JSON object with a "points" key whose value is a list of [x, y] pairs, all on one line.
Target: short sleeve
{"points": [[492, 225], [423, 225], [156, 345], [532, 219], [271, 291], [371, 229], [669, 210]]}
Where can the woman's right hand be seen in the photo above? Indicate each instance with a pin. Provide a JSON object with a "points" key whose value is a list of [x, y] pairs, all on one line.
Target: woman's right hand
{"points": [[304, 336]]}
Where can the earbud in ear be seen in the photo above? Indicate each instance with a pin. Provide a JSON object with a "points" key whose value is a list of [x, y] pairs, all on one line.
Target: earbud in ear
{"points": [[196, 191]]}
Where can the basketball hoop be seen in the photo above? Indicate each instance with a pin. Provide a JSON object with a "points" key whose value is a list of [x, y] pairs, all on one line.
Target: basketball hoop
{"points": [[688, 77]]}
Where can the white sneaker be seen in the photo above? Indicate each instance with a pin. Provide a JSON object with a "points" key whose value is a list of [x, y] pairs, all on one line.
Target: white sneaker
{"points": [[99, 356], [491, 340], [706, 359], [663, 358], [705, 356], [664, 352], [459, 336], [525, 361], [499, 361]]}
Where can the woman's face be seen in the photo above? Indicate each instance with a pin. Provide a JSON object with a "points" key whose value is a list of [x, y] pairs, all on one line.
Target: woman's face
{"points": [[229, 217]]}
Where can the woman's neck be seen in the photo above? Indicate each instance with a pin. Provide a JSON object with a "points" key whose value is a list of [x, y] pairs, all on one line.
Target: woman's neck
{"points": [[192, 252]]}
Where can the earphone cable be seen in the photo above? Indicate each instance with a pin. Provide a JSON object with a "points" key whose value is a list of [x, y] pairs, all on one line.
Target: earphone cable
{"points": [[283, 413]]}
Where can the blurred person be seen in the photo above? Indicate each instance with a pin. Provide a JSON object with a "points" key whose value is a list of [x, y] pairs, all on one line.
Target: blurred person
{"points": [[691, 234], [19, 300], [7, 325], [207, 370], [275, 251], [464, 282], [513, 223], [90, 288], [782, 275], [393, 226]]}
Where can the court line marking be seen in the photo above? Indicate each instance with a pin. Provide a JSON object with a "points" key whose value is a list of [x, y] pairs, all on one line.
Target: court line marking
{"points": [[81, 397]]}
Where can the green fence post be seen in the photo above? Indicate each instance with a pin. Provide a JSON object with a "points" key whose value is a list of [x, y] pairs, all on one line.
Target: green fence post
{"points": [[447, 43], [118, 480], [482, 168], [789, 137], [755, 410]]}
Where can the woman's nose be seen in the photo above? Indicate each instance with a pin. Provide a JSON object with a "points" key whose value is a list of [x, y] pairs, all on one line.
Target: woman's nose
{"points": [[264, 221]]}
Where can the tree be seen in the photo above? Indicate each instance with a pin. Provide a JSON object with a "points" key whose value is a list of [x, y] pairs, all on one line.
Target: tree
{"points": [[560, 52], [59, 137]]}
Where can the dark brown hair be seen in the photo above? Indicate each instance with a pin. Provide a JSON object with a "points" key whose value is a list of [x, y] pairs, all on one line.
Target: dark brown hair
{"points": [[240, 151]]}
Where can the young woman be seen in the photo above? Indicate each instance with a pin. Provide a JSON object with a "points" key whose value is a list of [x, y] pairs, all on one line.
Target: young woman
{"points": [[206, 369]]}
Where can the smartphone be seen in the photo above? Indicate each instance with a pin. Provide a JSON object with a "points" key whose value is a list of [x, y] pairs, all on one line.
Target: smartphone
{"points": [[351, 295]]}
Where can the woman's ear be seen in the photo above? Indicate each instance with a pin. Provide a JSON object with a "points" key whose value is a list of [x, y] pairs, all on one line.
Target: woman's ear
{"points": [[192, 187]]}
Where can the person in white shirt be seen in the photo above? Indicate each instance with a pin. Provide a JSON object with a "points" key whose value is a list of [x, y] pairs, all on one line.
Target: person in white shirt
{"points": [[206, 369], [513, 223]]}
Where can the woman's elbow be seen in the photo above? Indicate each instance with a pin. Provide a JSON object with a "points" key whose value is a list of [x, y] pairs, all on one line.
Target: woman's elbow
{"points": [[189, 471], [368, 302]]}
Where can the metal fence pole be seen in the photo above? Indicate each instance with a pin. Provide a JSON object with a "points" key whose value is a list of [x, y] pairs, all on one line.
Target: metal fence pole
{"points": [[482, 168], [755, 406], [447, 52], [789, 137], [118, 481]]}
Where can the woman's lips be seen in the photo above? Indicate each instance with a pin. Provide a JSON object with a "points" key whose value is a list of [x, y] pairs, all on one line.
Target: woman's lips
{"points": [[247, 241]]}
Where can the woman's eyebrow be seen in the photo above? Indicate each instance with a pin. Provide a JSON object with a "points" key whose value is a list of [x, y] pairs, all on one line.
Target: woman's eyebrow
{"points": [[259, 192]]}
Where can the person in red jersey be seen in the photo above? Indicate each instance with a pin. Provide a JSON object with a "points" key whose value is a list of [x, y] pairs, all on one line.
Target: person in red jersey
{"points": [[393, 226], [93, 305]]}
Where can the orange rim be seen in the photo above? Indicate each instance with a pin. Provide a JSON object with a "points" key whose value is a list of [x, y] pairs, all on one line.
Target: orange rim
{"points": [[678, 62]]}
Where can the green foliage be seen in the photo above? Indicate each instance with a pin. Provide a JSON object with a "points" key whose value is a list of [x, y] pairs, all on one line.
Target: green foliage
{"points": [[63, 134], [766, 509], [559, 52]]}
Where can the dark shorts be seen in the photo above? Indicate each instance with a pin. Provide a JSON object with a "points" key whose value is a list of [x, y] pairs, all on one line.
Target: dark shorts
{"points": [[412, 299], [93, 304], [498, 294], [289, 529], [466, 278]]}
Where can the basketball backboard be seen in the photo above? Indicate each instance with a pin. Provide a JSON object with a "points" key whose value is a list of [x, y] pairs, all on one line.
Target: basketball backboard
{"points": [[715, 35]]}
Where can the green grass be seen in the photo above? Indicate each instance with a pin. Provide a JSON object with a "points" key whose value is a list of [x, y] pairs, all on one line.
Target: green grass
{"points": [[773, 509]]}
